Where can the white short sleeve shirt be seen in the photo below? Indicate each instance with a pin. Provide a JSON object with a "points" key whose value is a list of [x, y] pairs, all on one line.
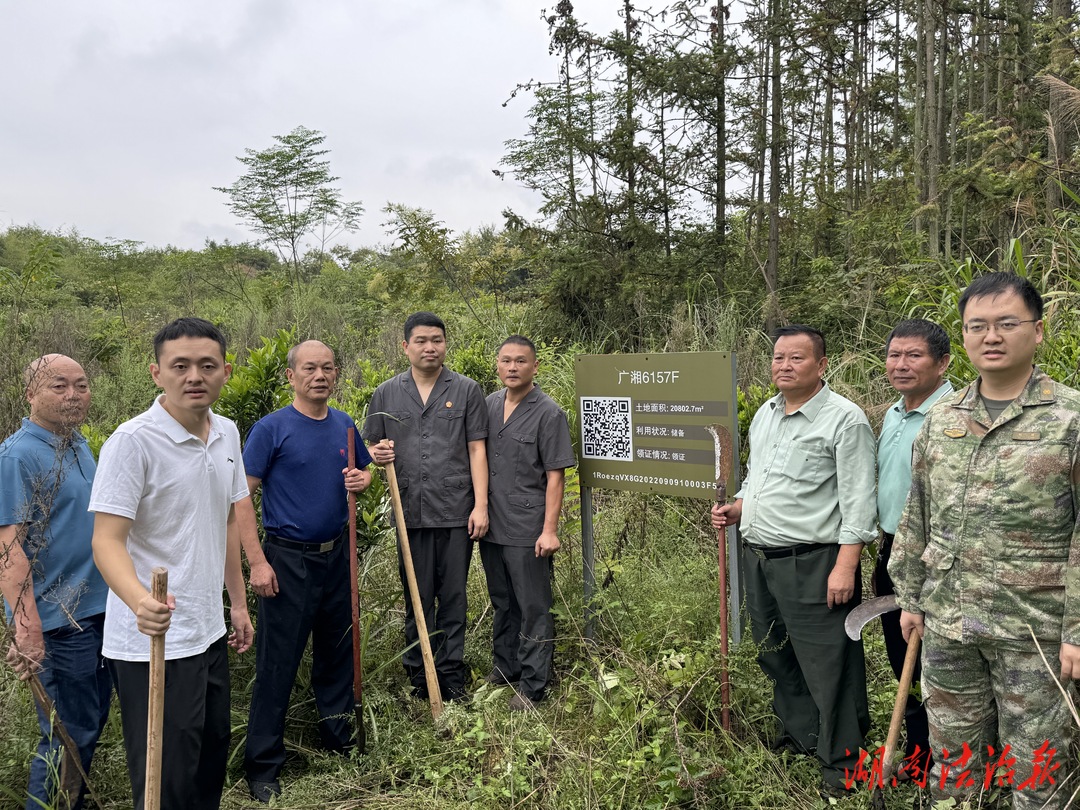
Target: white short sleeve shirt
{"points": [[178, 492]]}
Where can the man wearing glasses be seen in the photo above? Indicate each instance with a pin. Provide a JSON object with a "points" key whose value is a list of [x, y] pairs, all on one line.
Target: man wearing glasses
{"points": [[986, 557]]}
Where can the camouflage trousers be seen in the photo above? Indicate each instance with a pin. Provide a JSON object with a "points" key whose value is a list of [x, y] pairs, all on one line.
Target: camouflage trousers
{"points": [[997, 718]]}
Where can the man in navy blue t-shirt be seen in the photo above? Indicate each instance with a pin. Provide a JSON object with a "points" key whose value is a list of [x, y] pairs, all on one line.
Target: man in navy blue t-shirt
{"points": [[299, 456]]}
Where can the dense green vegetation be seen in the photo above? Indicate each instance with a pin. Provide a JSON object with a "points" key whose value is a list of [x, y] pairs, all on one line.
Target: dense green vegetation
{"points": [[634, 719], [703, 179]]}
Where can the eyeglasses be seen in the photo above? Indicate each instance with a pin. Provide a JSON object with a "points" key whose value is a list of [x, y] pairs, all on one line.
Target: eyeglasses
{"points": [[1001, 327]]}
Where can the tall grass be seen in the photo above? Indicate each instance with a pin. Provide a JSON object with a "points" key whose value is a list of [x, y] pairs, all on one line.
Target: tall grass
{"points": [[633, 719]]}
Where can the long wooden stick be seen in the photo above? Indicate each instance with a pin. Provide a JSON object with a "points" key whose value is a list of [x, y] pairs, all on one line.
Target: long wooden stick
{"points": [[877, 794], [724, 448], [155, 712], [434, 695], [354, 584], [722, 587], [72, 774], [899, 706]]}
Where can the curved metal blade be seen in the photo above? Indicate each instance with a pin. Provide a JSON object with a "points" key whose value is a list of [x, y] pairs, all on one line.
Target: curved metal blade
{"points": [[861, 615], [724, 449]]}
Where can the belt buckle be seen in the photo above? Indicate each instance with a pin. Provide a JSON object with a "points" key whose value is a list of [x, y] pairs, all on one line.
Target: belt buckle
{"points": [[327, 546]]}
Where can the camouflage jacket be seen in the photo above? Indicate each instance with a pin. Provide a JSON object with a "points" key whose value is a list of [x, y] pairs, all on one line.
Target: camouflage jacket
{"points": [[988, 544]]}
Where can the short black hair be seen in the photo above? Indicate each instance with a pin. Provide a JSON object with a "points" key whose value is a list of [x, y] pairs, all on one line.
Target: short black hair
{"points": [[518, 340], [937, 341], [188, 327], [423, 319], [793, 329], [998, 283]]}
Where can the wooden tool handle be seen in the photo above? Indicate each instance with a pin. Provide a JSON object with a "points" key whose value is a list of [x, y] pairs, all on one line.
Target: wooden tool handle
{"points": [[722, 587], [900, 705], [434, 695], [155, 713], [354, 587], [723, 446]]}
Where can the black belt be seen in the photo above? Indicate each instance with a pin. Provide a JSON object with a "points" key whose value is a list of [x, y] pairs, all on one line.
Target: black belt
{"points": [[787, 551], [312, 548]]}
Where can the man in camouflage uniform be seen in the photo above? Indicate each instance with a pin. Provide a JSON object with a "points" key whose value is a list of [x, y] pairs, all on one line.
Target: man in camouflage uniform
{"points": [[987, 554]]}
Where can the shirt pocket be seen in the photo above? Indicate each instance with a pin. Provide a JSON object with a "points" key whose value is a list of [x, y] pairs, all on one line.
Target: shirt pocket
{"points": [[457, 497], [938, 594], [451, 424], [526, 516], [525, 451], [403, 491], [397, 422], [1028, 593], [1032, 484], [806, 461], [458, 482]]}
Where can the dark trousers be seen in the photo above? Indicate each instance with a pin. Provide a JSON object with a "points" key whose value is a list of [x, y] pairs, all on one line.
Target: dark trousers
{"points": [[819, 674], [195, 735], [918, 730], [441, 560], [519, 584], [78, 683], [314, 599]]}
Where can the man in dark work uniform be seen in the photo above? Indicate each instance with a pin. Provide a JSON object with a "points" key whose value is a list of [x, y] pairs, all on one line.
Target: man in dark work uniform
{"points": [[436, 425], [528, 449]]}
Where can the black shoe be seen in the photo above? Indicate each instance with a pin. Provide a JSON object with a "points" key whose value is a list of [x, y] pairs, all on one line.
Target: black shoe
{"points": [[455, 694], [783, 744], [829, 791], [264, 791], [496, 678], [419, 692], [521, 703]]}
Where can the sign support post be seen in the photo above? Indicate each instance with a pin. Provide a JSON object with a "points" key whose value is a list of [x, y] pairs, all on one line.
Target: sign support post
{"points": [[588, 561]]}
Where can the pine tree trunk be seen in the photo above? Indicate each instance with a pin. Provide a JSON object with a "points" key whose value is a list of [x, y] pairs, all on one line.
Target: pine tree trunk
{"points": [[720, 156], [772, 261]]}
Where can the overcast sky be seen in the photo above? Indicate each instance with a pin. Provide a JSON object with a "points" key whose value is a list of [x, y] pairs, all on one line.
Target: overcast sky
{"points": [[117, 118]]}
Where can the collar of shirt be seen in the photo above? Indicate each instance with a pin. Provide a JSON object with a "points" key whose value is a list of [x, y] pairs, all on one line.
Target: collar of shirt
{"points": [[1039, 391], [174, 430], [942, 390], [47, 436], [534, 392], [409, 384], [811, 408]]}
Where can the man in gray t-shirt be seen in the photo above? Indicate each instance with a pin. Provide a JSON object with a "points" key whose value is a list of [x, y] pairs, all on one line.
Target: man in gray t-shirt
{"points": [[528, 449]]}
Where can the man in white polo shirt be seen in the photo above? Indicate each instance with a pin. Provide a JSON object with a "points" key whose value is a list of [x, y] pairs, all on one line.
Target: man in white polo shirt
{"points": [[164, 493]]}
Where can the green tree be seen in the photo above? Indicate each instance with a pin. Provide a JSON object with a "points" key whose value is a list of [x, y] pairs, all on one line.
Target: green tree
{"points": [[286, 194]]}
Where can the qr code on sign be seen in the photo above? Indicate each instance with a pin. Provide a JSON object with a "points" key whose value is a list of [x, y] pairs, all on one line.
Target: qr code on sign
{"points": [[606, 432]]}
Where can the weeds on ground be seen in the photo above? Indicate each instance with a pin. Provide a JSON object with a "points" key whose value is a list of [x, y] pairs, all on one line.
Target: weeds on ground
{"points": [[633, 720]]}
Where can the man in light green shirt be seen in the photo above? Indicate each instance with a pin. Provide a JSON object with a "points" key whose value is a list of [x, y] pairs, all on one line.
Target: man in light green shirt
{"points": [[806, 509], [916, 357]]}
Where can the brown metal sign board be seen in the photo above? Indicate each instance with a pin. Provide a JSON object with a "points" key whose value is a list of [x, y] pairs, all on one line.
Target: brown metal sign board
{"points": [[643, 420]]}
